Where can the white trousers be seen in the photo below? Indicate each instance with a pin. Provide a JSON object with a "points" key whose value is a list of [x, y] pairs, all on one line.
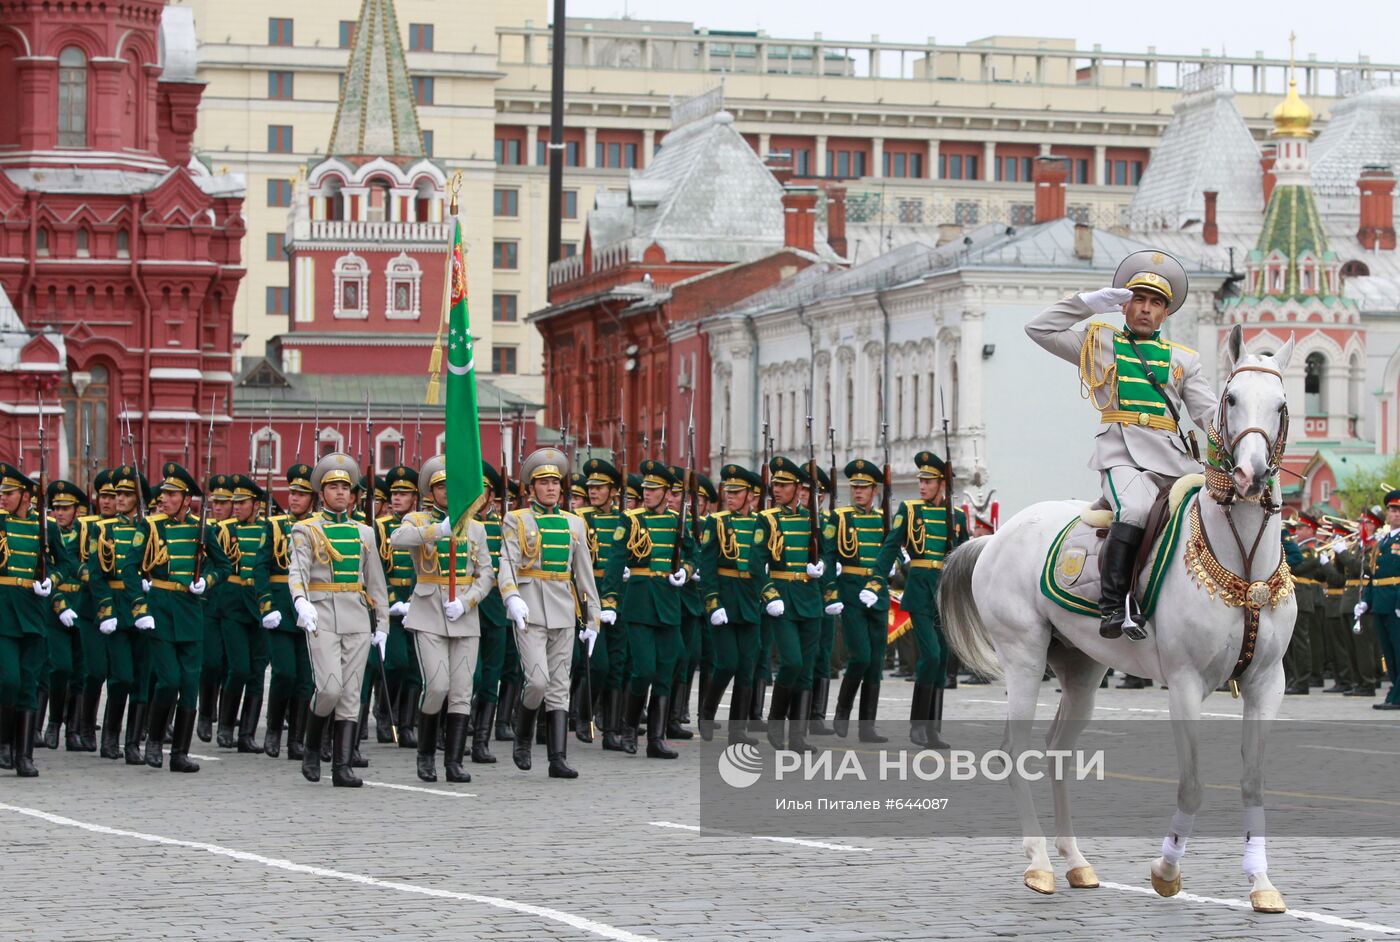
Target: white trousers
{"points": [[546, 655], [1131, 491], [447, 665], [337, 669]]}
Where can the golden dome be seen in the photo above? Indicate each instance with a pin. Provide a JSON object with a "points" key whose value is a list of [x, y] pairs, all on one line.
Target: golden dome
{"points": [[1292, 116]]}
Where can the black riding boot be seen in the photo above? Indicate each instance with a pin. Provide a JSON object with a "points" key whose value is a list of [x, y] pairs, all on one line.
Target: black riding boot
{"points": [[541, 728], [42, 712], [937, 717], [869, 706], [228, 716], [456, 738], [675, 728], [483, 718], [72, 721], [383, 729], [343, 747], [777, 715], [56, 701], [208, 707], [357, 759], [276, 716], [7, 738], [248, 723], [112, 725], [505, 712], [710, 695], [657, 712], [821, 693], [524, 736], [612, 721], [756, 721], [155, 733], [180, 760], [296, 730], [427, 748], [1119, 551], [92, 702], [631, 717], [135, 727], [739, 702], [798, 713], [24, 744], [311, 754], [920, 712], [845, 700], [408, 712], [557, 722]]}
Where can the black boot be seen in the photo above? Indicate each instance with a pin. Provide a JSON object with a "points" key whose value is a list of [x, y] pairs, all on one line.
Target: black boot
{"points": [[483, 718], [657, 712], [55, 702], [72, 721], [821, 693], [632, 716], [276, 715], [869, 706], [756, 721], [155, 733], [407, 713], [7, 738], [710, 695], [112, 725], [557, 725], [675, 728], [170, 728], [505, 712], [296, 729], [357, 759], [25, 721], [541, 729], [208, 707], [327, 737], [363, 724], [798, 714], [344, 745], [383, 729], [42, 712], [612, 721], [92, 702], [427, 748], [180, 760], [739, 702], [311, 754], [228, 717], [777, 715], [938, 742], [1119, 551], [524, 736], [135, 726], [457, 745], [248, 723], [580, 713], [920, 712], [845, 700]]}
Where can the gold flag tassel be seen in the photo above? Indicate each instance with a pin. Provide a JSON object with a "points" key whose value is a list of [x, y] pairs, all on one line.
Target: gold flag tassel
{"points": [[435, 358]]}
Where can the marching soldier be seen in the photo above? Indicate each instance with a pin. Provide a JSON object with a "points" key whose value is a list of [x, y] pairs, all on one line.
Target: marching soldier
{"points": [[854, 538], [609, 660], [219, 494], [921, 529], [245, 639], [443, 617], [338, 593], [546, 580], [94, 643], [290, 690], [495, 630], [512, 678], [400, 662], [1307, 584], [1382, 598], [1140, 384], [1357, 645], [826, 640], [692, 622], [731, 601], [167, 556], [65, 641]]}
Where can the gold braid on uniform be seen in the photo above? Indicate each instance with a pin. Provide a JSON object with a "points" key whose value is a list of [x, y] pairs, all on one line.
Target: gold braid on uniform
{"points": [[322, 550], [281, 552], [528, 553], [229, 544], [592, 542], [386, 552], [106, 552], [727, 539], [639, 539], [776, 544], [1094, 376], [847, 540], [915, 534], [157, 553], [4, 547]]}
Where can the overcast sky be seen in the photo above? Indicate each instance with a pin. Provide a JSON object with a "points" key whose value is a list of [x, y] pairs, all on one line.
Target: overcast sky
{"points": [[1338, 29]]}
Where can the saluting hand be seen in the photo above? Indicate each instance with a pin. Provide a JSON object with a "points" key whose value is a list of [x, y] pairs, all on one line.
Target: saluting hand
{"points": [[1106, 300]]}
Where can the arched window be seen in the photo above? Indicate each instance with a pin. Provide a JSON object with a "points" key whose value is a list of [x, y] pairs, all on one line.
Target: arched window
{"points": [[1315, 385], [380, 199], [388, 447], [1355, 269], [84, 397], [72, 98], [335, 200], [41, 243], [123, 244], [403, 297], [267, 448], [351, 287], [84, 244], [328, 441], [851, 410], [1355, 376], [423, 201]]}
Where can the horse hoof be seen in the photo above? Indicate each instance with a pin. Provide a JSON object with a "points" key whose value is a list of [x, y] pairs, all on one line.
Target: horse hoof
{"points": [[1166, 887], [1042, 881], [1267, 901], [1083, 878]]}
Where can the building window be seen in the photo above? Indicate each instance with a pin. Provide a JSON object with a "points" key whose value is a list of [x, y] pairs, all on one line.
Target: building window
{"points": [[571, 153], [329, 441], [570, 208], [389, 446], [504, 308], [957, 166], [506, 202], [279, 86], [279, 32], [910, 211], [427, 143], [266, 447], [420, 37], [279, 138], [502, 359], [351, 297], [123, 244], [904, 165], [72, 98], [279, 192], [505, 255], [274, 242], [423, 89], [347, 34], [84, 244], [615, 155], [1022, 214], [279, 301], [568, 249], [845, 163], [41, 243], [965, 213], [404, 278], [508, 151], [1314, 385]]}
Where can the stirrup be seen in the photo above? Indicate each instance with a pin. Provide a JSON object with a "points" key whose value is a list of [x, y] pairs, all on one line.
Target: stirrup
{"points": [[1134, 630]]}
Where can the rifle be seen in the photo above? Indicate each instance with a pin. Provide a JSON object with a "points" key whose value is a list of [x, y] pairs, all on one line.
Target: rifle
{"points": [[186, 459], [204, 504], [267, 507], [567, 482], [691, 472], [315, 434], [367, 459], [139, 510], [87, 466], [588, 434], [519, 448], [418, 437], [831, 497], [947, 473], [764, 472], [887, 478], [505, 472], [622, 432], [687, 481], [814, 543], [665, 453], [41, 564]]}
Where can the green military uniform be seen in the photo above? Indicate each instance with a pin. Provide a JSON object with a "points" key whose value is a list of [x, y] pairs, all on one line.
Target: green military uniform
{"points": [[1382, 599], [495, 635], [512, 677], [61, 680], [289, 692], [923, 531], [826, 640], [853, 541], [732, 604], [167, 555], [1297, 660], [648, 601], [240, 625], [692, 623], [218, 490], [400, 663], [1361, 648], [609, 658], [94, 643]]}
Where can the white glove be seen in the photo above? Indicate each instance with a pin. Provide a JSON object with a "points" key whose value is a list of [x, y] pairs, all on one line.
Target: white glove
{"points": [[719, 617], [894, 570], [145, 623], [608, 616], [107, 626], [67, 617], [677, 578], [272, 619], [198, 586], [306, 613], [835, 608], [838, 567], [453, 609], [588, 636], [868, 598], [626, 573], [775, 608], [1338, 545], [398, 609], [43, 588], [815, 570], [1356, 627], [444, 528], [517, 611], [145, 585], [1324, 558], [1361, 609], [695, 576], [1106, 300], [380, 639]]}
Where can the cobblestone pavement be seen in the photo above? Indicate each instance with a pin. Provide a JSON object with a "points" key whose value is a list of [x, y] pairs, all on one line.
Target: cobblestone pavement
{"points": [[246, 850]]}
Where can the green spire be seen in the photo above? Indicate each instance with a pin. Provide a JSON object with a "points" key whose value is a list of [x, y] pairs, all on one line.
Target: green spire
{"points": [[376, 115]]}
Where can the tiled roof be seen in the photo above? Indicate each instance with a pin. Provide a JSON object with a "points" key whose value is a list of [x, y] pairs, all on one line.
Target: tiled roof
{"points": [[1362, 129], [376, 114]]}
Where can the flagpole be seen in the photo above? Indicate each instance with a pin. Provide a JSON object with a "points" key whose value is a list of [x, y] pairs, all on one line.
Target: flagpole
{"points": [[435, 366]]}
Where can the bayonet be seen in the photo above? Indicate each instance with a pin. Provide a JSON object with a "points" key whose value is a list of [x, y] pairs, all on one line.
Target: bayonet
{"points": [[41, 564], [814, 544], [204, 503], [185, 460]]}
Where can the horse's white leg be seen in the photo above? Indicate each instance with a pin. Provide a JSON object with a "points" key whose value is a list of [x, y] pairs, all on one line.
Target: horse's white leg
{"points": [[1079, 677], [1022, 693], [1262, 694], [1185, 701]]}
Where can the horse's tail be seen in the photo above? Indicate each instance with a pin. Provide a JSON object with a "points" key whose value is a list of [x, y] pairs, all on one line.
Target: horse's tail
{"points": [[962, 623]]}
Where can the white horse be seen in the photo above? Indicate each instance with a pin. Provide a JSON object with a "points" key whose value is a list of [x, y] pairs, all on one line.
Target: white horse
{"points": [[1000, 624]]}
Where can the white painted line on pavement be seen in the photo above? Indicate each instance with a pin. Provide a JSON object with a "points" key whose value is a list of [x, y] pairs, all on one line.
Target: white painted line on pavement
{"points": [[205, 758], [583, 923], [1367, 752], [672, 824], [821, 845], [1323, 918], [416, 788]]}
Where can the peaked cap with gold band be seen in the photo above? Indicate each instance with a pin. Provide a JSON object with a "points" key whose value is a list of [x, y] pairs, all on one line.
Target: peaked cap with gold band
{"points": [[634, 486], [860, 471], [402, 478], [245, 488], [299, 478], [736, 477], [12, 479], [65, 493], [930, 465], [545, 463], [491, 478], [656, 474], [598, 471], [337, 466], [1392, 499], [707, 488], [1154, 271], [176, 478], [434, 471], [381, 487], [783, 470], [102, 482], [220, 486], [578, 486], [126, 479]]}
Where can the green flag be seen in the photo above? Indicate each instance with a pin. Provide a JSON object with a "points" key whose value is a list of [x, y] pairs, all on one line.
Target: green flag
{"points": [[464, 477]]}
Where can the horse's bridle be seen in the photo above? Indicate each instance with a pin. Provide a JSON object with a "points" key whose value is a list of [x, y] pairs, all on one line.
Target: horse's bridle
{"points": [[1223, 444]]}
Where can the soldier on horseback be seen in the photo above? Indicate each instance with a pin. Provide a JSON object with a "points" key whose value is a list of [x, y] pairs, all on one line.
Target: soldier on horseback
{"points": [[1140, 384]]}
